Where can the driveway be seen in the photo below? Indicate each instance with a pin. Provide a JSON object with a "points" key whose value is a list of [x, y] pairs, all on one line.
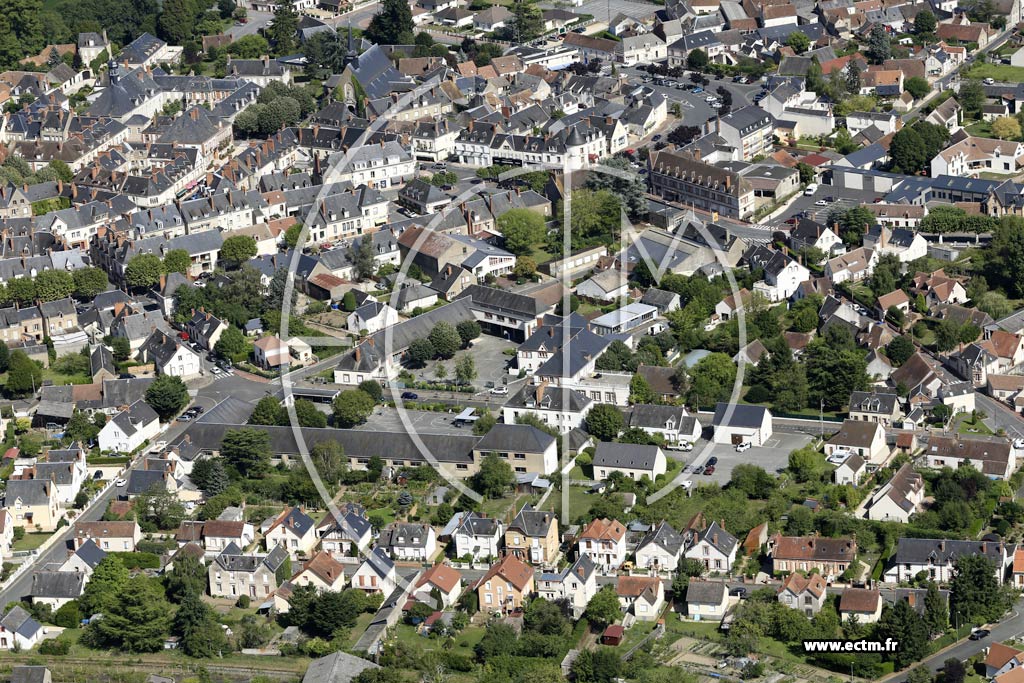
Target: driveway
{"points": [[255, 22], [842, 199], [773, 456]]}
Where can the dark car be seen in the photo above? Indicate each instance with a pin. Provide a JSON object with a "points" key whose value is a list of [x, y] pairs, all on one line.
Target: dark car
{"points": [[712, 461], [409, 396], [656, 138], [198, 410], [979, 634], [709, 470], [739, 591], [698, 470]]}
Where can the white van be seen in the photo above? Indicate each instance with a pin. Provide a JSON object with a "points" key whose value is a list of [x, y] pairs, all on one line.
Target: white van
{"points": [[810, 189]]}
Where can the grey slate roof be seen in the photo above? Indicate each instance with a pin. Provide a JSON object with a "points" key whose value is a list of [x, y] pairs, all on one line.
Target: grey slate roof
{"points": [[19, 621], [337, 667], [658, 417], [400, 535], [29, 491], [475, 525], [742, 415], [625, 455], [719, 538], [46, 584], [519, 438], [942, 551], [665, 537], [28, 674], [705, 592], [530, 522]]}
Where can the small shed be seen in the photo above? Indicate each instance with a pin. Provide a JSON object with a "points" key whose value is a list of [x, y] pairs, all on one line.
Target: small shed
{"points": [[613, 635]]}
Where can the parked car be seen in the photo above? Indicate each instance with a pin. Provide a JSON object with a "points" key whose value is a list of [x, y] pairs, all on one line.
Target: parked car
{"points": [[979, 634], [741, 447], [709, 470], [1018, 443], [712, 460], [500, 390], [739, 591], [120, 482], [409, 396]]}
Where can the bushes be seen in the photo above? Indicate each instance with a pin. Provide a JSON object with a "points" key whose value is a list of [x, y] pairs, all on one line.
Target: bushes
{"points": [[243, 602], [54, 647], [139, 560]]}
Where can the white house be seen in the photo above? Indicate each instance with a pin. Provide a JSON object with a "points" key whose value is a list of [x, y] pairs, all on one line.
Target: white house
{"points": [[18, 630], [899, 498], [866, 439], [443, 579], [850, 471], [715, 547], [634, 461], [641, 596], [577, 585], [293, 530], [660, 548], [604, 540], [373, 316], [707, 600], [937, 558], [342, 537], [736, 424], [323, 572], [477, 537], [169, 357], [130, 428], [804, 593], [415, 542], [672, 423], [863, 604], [376, 574]]}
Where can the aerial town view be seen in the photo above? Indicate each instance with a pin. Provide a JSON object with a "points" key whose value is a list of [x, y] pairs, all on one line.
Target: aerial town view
{"points": [[511, 341]]}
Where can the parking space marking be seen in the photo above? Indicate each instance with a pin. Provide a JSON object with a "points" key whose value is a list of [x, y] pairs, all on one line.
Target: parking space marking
{"points": [[772, 443]]}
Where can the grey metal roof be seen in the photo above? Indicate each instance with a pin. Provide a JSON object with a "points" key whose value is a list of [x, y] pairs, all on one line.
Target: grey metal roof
{"points": [[519, 438], [742, 415]]}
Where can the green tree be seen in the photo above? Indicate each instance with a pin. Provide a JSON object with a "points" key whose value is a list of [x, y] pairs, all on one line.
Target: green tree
{"points": [[392, 25], [52, 285], [282, 31], [419, 352], [348, 301], [121, 349], [69, 615], [521, 228], [291, 235], [604, 422], [24, 376], [372, 388], [975, 595], [807, 172], [971, 96], [753, 480], [603, 609], [1006, 128], [917, 87], [799, 41], [352, 407], [445, 340], [925, 23], [936, 611], [640, 391], [268, 411], [308, 414], [900, 349], [252, 46], [137, 620], [468, 331], [167, 395], [697, 60], [494, 477], [89, 282], [903, 625], [231, 343], [527, 21], [711, 380], [362, 258], [879, 45], [623, 182], [833, 373], [247, 450], [525, 267], [177, 261], [143, 270], [210, 476], [105, 586], [201, 635], [806, 464], [177, 21], [238, 249], [465, 369], [186, 578]]}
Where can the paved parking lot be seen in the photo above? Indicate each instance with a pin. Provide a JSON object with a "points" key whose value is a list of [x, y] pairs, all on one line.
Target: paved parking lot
{"points": [[842, 198], [773, 456], [604, 10], [423, 422]]}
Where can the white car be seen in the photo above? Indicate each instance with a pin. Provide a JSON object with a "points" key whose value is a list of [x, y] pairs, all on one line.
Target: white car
{"points": [[120, 482], [821, 202], [741, 447], [500, 390], [684, 446], [1018, 443]]}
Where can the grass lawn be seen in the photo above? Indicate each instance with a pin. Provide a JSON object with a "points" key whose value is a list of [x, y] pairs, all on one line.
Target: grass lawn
{"points": [[1000, 72], [31, 541], [702, 630], [968, 426], [356, 632], [540, 255], [980, 129], [579, 503]]}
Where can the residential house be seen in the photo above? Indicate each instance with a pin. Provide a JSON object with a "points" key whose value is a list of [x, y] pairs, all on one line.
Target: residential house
{"points": [[899, 498], [410, 542], [577, 584], [866, 439], [672, 423], [643, 597], [1002, 658], [604, 540], [937, 558], [852, 266], [862, 604], [204, 329], [216, 534], [347, 536], [882, 407], [170, 357], [505, 586], [377, 573], [707, 600], [447, 583], [56, 588], [660, 548], [371, 317], [804, 592], [33, 504], [233, 574], [850, 471], [323, 572], [18, 630], [715, 547], [830, 556], [634, 461], [293, 530], [130, 428], [113, 536], [477, 537], [993, 456], [533, 536]]}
